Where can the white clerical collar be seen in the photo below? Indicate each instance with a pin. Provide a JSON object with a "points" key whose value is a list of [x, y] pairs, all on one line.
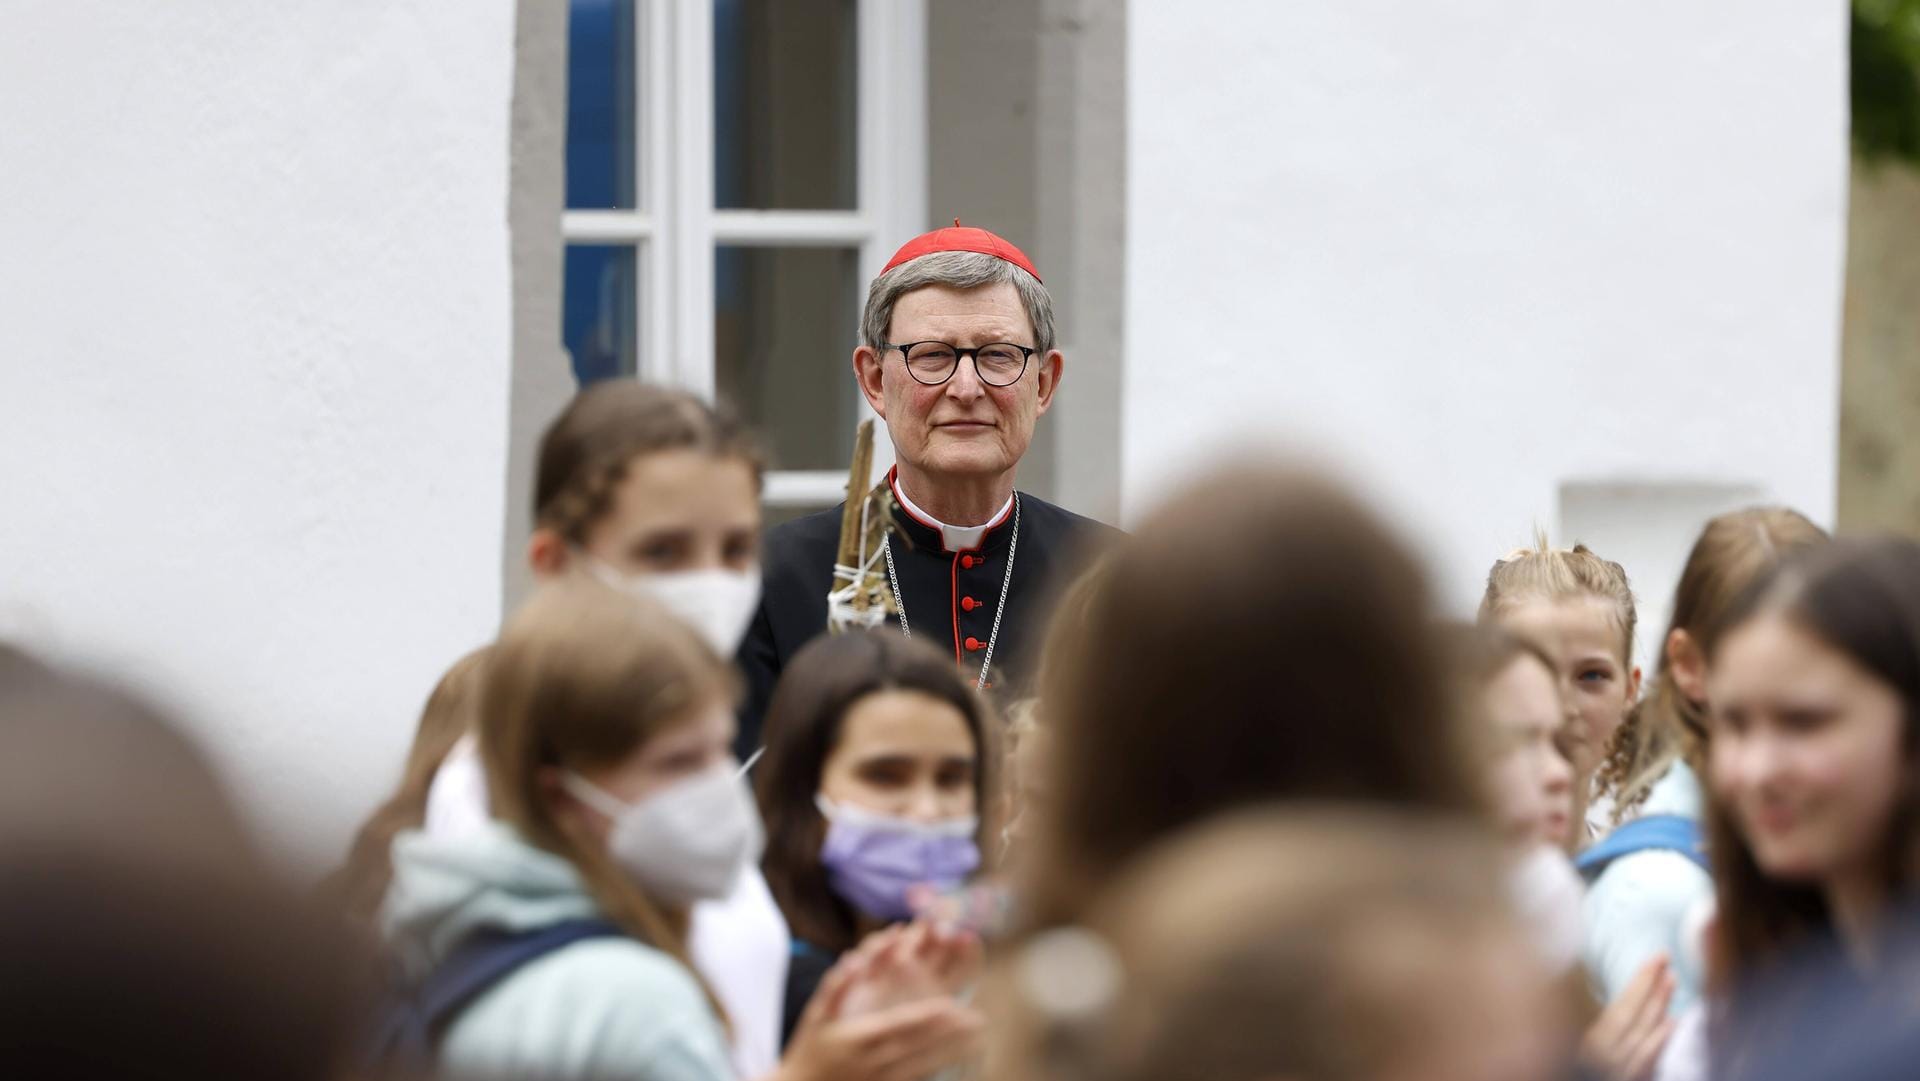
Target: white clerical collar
{"points": [[954, 538]]}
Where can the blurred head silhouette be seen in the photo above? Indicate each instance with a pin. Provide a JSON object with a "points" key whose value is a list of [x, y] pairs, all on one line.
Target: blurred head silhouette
{"points": [[1262, 636], [143, 937]]}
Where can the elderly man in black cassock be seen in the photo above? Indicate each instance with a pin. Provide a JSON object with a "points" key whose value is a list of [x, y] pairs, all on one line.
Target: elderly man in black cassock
{"points": [[957, 356]]}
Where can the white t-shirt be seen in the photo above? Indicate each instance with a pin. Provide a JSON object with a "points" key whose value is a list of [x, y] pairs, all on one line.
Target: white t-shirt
{"points": [[740, 943], [1651, 902]]}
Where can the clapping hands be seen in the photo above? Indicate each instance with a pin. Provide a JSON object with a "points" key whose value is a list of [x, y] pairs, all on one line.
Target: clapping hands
{"points": [[891, 1009]]}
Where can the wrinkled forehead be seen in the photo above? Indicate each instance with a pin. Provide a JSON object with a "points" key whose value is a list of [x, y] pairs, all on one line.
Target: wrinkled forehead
{"points": [[985, 313]]}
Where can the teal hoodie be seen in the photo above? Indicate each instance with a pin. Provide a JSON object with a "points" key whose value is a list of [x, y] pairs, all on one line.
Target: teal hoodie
{"points": [[599, 1008]]}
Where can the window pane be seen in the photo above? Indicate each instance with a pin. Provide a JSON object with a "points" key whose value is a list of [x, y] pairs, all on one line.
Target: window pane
{"points": [[783, 96], [600, 105], [599, 311], [784, 333]]}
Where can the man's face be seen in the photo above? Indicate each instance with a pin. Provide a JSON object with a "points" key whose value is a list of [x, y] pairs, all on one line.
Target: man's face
{"points": [[963, 427]]}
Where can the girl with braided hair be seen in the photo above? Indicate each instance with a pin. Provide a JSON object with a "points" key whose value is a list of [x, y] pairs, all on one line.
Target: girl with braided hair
{"points": [[1579, 608], [1650, 891]]}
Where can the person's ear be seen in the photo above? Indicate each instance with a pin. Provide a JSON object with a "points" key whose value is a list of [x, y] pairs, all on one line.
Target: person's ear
{"points": [[569, 813], [1633, 685], [547, 553], [1687, 665], [1051, 369], [867, 371]]}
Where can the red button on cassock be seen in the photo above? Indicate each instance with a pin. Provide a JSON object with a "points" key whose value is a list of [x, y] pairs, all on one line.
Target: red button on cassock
{"points": [[975, 644], [966, 563], [968, 604]]}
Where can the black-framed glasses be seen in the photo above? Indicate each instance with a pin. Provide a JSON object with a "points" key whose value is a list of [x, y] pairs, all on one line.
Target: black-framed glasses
{"points": [[999, 364]]}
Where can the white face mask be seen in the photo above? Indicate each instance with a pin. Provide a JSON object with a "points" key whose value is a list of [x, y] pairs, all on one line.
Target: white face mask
{"points": [[684, 844], [718, 603]]}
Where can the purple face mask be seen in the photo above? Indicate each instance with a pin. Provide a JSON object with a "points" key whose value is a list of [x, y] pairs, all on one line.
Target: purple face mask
{"points": [[874, 860]]}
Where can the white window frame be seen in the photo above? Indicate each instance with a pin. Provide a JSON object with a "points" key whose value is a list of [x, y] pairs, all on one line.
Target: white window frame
{"points": [[676, 227]]}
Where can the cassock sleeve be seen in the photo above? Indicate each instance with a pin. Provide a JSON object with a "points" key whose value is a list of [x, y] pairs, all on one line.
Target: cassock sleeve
{"points": [[797, 572]]}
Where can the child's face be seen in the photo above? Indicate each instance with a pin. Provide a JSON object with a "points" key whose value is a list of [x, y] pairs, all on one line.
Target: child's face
{"points": [[1584, 637], [906, 754], [1805, 750], [680, 510], [1531, 782], [678, 753]]}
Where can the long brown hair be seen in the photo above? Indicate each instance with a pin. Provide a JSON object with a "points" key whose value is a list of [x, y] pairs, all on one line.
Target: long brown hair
{"points": [[1261, 637], [1861, 597], [1666, 726], [588, 448], [361, 883], [581, 678], [819, 688]]}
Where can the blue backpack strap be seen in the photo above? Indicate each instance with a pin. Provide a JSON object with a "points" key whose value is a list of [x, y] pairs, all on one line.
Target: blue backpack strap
{"points": [[414, 1021], [1649, 833], [485, 960]]}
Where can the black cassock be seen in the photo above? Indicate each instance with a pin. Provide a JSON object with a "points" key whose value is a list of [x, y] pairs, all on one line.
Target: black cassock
{"points": [[950, 597]]}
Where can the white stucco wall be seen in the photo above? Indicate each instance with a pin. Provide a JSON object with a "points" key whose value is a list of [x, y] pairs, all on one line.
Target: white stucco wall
{"points": [[1470, 252], [254, 356]]}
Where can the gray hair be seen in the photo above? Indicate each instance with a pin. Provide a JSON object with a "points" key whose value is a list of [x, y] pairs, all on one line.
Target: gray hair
{"points": [[958, 270]]}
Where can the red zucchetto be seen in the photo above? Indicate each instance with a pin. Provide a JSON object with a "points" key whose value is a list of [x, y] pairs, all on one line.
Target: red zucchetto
{"points": [[961, 238]]}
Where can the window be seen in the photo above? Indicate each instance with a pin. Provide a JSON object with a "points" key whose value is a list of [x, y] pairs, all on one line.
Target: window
{"points": [[737, 171]]}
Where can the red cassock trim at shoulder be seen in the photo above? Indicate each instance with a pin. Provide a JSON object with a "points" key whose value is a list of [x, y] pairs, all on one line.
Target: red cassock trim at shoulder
{"points": [[893, 482]]}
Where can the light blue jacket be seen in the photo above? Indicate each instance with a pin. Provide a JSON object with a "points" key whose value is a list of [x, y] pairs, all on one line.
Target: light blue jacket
{"points": [[1650, 902], [598, 1008]]}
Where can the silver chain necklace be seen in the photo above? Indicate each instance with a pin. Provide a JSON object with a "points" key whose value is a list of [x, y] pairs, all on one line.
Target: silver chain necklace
{"points": [[993, 636]]}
